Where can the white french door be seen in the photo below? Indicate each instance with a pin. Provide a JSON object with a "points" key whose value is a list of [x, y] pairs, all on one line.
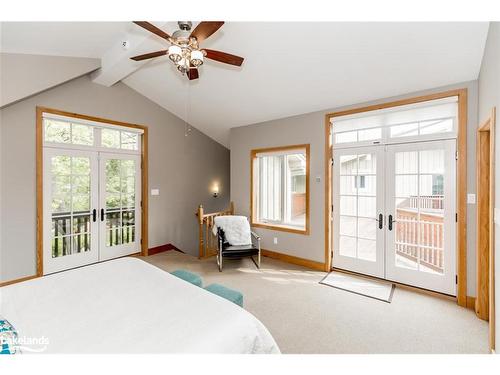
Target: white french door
{"points": [[420, 211], [358, 204], [70, 185], [91, 206], [120, 205], [394, 213]]}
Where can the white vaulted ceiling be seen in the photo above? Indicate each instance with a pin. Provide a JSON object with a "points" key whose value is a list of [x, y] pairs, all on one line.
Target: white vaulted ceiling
{"points": [[74, 39], [290, 68]]}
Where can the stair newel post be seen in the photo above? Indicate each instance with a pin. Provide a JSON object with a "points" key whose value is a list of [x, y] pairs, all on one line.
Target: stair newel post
{"points": [[207, 235], [200, 225]]}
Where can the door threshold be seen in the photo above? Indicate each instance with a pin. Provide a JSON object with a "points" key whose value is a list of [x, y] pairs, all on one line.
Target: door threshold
{"points": [[406, 286]]}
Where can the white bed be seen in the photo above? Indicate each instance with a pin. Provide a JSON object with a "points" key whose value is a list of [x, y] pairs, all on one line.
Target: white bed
{"points": [[129, 306]]}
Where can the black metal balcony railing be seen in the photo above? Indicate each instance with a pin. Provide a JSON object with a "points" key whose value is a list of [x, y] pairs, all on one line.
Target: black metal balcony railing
{"points": [[65, 232], [120, 226], [71, 233]]}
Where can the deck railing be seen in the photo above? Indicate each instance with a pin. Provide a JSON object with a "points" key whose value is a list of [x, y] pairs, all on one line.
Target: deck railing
{"points": [[420, 241], [433, 202], [207, 241]]}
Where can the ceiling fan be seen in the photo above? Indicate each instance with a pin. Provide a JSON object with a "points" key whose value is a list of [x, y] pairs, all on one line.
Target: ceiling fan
{"points": [[185, 51]]}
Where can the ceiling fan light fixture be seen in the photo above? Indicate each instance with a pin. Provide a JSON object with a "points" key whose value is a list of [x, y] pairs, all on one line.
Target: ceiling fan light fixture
{"points": [[185, 51], [196, 58], [181, 65], [175, 53]]}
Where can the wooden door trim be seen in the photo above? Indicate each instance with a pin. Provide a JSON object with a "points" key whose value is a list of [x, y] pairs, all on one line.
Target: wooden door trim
{"points": [[485, 154], [461, 178], [39, 177], [492, 230]]}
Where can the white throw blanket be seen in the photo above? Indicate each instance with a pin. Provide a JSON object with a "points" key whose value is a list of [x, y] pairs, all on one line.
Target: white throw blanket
{"points": [[236, 229]]}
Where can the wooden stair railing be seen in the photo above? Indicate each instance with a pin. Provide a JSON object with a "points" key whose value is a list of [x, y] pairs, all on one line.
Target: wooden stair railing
{"points": [[208, 242]]}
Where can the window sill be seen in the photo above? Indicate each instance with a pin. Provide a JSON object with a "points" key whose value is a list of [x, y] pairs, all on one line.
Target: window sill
{"points": [[282, 228]]}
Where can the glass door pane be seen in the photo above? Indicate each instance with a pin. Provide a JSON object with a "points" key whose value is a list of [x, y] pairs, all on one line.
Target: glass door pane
{"points": [[419, 184], [358, 201], [120, 184], [70, 198]]}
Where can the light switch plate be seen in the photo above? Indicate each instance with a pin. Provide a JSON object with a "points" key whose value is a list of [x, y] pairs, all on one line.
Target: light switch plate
{"points": [[155, 191], [496, 215], [275, 240], [471, 198], [318, 178]]}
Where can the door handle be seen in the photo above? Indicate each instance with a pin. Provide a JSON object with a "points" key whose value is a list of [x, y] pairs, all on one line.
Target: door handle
{"points": [[102, 214], [380, 221], [94, 215], [390, 222]]}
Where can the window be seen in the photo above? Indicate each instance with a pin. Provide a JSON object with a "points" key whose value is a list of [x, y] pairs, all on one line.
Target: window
{"points": [[68, 131], [359, 182], [280, 184], [429, 120], [422, 128], [437, 184], [65, 132], [361, 135], [110, 138]]}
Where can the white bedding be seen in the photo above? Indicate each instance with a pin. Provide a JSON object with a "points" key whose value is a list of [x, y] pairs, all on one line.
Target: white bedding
{"points": [[129, 306]]}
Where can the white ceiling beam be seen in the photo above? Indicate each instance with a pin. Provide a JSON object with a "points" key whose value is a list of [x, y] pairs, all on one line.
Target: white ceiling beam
{"points": [[116, 63]]}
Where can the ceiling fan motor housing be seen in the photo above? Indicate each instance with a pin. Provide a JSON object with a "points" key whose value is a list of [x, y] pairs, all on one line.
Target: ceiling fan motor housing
{"points": [[185, 25], [181, 36]]}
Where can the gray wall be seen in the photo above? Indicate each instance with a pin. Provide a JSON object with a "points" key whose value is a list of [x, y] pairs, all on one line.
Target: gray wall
{"points": [[309, 128], [24, 75], [489, 96], [183, 168]]}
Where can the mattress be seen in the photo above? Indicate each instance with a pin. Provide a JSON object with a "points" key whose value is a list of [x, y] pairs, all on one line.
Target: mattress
{"points": [[129, 306]]}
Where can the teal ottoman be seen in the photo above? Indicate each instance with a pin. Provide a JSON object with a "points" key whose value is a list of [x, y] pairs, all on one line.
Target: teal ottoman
{"points": [[224, 292], [189, 277]]}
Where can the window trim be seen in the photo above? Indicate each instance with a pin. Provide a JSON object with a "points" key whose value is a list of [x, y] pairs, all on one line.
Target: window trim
{"points": [[279, 227]]}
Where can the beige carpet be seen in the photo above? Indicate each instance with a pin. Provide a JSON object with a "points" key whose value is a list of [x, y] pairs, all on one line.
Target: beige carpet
{"points": [[307, 317]]}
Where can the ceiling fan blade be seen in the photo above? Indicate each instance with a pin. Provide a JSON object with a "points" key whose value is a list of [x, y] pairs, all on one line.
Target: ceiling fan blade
{"points": [[192, 73], [223, 57], [205, 29], [149, 55], [152, 28]]}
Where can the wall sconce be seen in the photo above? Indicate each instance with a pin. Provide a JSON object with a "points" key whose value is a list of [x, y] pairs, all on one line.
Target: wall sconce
{"points": [[215, 191]]}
